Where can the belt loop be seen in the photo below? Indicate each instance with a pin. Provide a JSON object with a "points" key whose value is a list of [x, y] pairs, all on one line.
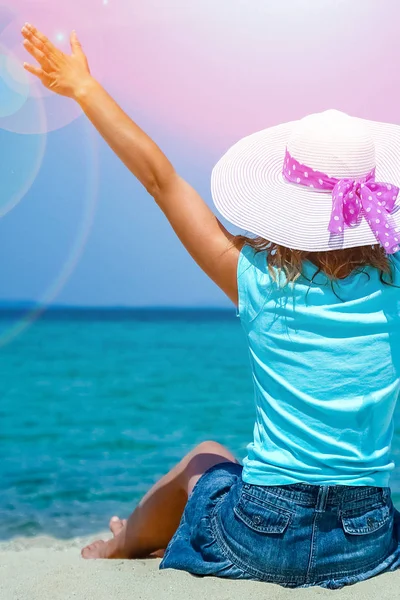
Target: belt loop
{"points": [[322, 498]]}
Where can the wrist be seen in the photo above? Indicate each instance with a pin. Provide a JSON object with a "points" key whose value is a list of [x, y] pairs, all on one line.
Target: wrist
{"points": [[84, 89]]}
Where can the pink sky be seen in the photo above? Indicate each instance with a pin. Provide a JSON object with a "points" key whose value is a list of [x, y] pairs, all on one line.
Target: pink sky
{"points": [[214, 70]]}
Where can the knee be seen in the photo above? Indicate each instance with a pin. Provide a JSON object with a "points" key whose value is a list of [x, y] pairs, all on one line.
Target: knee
{"points": [[200, 459], [209, 447], [208, 453]]}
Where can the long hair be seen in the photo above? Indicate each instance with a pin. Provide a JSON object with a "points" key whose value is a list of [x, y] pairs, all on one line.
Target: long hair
{"points": [[336, 264]]}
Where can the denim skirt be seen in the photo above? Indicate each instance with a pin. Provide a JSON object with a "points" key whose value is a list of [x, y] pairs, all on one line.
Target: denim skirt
{"points": [[296, 535]]}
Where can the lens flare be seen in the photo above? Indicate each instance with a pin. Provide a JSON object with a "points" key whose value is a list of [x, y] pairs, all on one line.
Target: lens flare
{"points": [[75, 252], [27, 107], [21, 160], [14, 85], [22, 155]]}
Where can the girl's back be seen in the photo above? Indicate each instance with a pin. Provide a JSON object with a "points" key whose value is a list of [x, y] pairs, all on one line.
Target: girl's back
{"points": [[326, 368]]}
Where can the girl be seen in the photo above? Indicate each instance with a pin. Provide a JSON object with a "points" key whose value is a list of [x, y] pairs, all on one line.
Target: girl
{"points": [[317, 293]]}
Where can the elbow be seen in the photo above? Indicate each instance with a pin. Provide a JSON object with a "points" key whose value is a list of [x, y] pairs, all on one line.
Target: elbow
{"points": [[153, 188], [157, 187]]}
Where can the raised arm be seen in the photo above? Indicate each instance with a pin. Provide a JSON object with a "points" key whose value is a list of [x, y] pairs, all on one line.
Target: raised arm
{"points": [[205, 238]]}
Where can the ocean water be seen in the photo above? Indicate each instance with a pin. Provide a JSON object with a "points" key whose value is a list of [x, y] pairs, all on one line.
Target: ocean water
{"points": [[97, 405]]}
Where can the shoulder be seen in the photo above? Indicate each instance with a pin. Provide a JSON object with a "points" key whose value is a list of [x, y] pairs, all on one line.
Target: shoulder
{"points": [[253, 281], [252, 259]]}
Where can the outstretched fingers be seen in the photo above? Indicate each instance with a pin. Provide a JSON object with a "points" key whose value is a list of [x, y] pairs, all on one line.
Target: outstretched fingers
{"points": [[34, 70], [40, 47], [45, 78], [41, 72], [76, 46], [43, 43], [40, 56]]}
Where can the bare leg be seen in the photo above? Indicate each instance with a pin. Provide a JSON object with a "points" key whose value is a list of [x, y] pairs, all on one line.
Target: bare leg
{"points": [[157, 516]]}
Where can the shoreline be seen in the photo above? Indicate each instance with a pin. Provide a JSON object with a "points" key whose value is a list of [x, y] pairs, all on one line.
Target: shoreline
{"points": [[45, 568]]}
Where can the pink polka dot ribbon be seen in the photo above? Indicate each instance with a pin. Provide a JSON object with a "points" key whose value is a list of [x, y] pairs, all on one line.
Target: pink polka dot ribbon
{"points": [[351, 200]]}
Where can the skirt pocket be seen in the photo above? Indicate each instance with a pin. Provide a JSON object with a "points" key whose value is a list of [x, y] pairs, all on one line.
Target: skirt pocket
{"points": [[367, 521], [367, 535], [256, 535], [265, 518]]}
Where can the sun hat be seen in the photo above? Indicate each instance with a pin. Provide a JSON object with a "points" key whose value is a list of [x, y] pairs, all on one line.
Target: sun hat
{"points": [[325, 182]]}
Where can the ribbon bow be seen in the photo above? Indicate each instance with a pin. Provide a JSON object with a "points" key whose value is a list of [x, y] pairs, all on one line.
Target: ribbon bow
{"points": [[376, 200], [351, 198]]}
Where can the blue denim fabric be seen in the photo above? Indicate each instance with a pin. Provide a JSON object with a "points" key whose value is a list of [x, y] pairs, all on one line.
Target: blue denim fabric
{"points": [[296, 535]]}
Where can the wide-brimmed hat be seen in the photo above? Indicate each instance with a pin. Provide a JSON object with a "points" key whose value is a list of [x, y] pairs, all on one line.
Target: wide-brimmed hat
{"points": [[325, 182]]}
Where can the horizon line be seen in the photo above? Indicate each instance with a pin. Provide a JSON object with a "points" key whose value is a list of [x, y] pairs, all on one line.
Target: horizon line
{"points": [[6, 306]]}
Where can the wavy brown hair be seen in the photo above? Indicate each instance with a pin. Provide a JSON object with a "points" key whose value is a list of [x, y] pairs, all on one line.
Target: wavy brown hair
{"points": [[336, 264]]}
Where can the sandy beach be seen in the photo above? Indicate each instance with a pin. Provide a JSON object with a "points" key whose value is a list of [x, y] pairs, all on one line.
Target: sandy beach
{"points": [[43, 568]]}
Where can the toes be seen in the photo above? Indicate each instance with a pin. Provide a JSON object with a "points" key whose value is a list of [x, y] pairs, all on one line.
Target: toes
{"points": [[113, 524], [116, 524], [94, 550], [86, 551]]}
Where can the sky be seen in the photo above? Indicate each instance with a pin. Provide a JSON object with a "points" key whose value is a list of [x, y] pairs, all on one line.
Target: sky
{"points": [[76, 228]]}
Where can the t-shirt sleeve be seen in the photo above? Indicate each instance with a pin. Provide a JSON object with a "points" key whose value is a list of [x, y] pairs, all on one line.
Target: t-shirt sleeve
{"points": [[253, 282]]}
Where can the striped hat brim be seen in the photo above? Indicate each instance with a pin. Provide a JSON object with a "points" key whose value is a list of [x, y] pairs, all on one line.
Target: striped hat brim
{"points": [[249, 190]]}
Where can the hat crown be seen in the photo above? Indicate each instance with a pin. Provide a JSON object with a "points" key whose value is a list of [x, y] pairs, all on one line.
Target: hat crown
{"points": [[334, 143]]}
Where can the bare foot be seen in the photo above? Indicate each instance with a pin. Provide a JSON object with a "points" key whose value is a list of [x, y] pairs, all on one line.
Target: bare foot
{"points": [[95, 550], [113, 548], [117, 525]]}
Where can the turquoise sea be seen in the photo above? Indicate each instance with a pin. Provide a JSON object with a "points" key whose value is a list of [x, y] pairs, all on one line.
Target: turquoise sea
{"points": [[97, 405]]}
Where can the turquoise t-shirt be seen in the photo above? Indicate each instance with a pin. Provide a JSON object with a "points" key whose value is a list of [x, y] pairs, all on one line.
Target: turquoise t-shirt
{"points": [[326, 374]]}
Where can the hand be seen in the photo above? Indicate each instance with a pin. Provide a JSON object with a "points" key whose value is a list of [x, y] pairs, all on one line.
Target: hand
{"points": [[58, 72]]}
